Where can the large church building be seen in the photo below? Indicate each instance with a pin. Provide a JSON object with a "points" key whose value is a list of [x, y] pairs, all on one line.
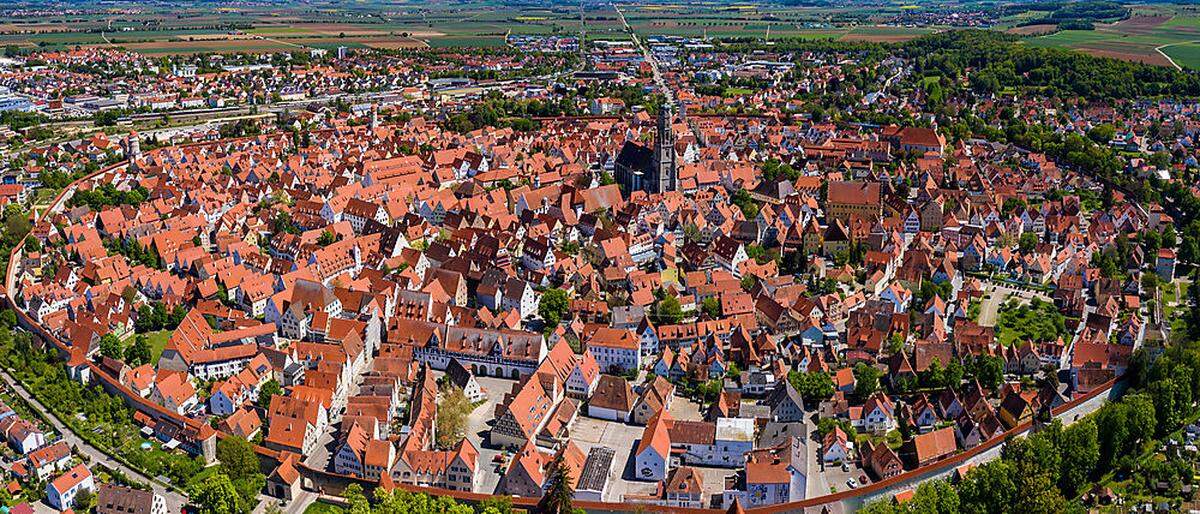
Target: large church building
{"points": [[639, 168]]}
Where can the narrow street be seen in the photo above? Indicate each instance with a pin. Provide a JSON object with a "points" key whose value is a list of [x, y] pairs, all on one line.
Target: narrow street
{"points": [[175, 501]]}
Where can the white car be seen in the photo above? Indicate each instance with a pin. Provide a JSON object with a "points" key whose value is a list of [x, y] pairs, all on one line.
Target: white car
{"points": [[852, 483]]}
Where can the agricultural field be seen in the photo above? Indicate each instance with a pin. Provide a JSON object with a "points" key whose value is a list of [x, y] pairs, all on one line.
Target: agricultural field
{"points": [[745, 20], [1186, 55], [1158, 34], [469, 23], [1145, 37]]}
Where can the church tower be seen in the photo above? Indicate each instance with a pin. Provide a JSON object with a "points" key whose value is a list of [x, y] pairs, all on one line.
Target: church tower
{"points": [[664, 152], [133, 146]]}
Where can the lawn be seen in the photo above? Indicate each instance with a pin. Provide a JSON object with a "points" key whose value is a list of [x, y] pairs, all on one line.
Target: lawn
{"points": [[1038, 322], [158, 341], [320, 507]]}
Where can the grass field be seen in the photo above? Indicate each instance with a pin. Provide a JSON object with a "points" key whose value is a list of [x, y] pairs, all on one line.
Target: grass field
{"points": [[319, 507], [158, 341]]}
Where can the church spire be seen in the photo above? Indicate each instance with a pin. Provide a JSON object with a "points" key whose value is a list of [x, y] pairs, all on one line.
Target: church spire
{"points": [[664, 151]]}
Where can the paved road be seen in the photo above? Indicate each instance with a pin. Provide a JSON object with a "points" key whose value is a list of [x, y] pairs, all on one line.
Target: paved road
{"points": [[296, 506], [175, 501], [658, 78]]}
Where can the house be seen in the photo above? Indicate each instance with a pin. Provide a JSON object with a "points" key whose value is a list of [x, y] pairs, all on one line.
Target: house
{"points": [[115, 499], [462, 378], [723, 443], [585, 375], [786, 403], [528, 473], [22, 435], [174, 392], [62, 491], [729, 254], [295, 424], [613, 399], [683, 488], [284, 482], [653, 452], [853, 198], [836, 446], [656, 396], [594, 478], [1164, 266], [615, 350], [927, 448], [883, 461], [243, 423], [50, 459], [523, 415], [877, 414], [363, 456], [777, 474], [1015, 409]]}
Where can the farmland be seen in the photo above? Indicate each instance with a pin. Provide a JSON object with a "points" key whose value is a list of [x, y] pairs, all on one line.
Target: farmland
{"points": [[1149, 38], [470, 23], [1152, 33]]}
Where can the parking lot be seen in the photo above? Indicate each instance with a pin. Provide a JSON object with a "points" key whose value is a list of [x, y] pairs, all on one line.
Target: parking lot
{"points": [[836, 476]]}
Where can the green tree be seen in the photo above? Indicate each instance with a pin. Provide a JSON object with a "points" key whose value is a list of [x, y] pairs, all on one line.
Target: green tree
{"points": [[712, 307], [327, 238], [139, 352], [1169, 237], [357, 501], [866, 380], [934, 497], [1102, 133], [268, 390], [553, 306], [743, 201], [85, 501], [110, 347], [559, 494], [813, 386], [989, 488], [216, 495], [495, 505], [1027, 242], [453, 409], [237, 457], [1080, 454], [667, 311]]}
